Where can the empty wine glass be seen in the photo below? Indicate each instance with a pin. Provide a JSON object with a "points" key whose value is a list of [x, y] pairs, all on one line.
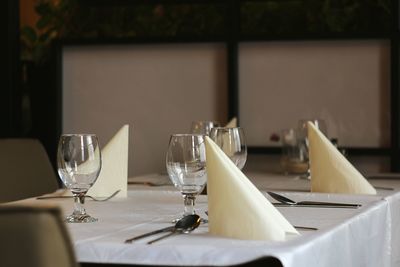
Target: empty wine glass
{"points": [[186, 167], [79, 164], [292, 158], [203, 127], [303, 140], [232, 142]]}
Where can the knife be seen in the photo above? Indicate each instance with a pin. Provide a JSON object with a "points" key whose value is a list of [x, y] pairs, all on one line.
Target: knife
{"points": [[289, 202], [336, 205]]}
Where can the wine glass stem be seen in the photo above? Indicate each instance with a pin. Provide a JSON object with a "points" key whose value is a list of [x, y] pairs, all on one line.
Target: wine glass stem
{"points": [[188, 201], [79, 201]]}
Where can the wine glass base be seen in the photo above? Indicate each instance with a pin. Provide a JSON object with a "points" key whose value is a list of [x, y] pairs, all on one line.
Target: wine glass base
{"points": [[80, 219]]}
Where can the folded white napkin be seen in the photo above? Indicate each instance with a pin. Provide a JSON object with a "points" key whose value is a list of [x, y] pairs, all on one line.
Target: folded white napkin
{"points": [[331, 172], [114, 170], [232, 123], [236, 208]]}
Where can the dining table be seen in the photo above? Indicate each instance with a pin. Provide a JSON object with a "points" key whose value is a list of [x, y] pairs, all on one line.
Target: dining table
{"points": [[365, 236]]}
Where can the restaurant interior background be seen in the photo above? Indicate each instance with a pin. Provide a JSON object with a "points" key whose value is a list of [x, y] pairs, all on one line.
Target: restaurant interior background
{"points": [[85, 65]]}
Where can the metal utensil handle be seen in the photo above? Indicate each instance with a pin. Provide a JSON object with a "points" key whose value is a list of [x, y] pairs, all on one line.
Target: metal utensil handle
{"points": [[384, 188], [314, 206], [281, 198], [164, 236], [305, 227], [162, 230], [328, 203], [50, 197]]}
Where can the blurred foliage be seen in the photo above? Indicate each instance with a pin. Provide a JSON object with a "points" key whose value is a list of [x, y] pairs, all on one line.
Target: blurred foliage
{"points": [[315, 17], [73, 19]]}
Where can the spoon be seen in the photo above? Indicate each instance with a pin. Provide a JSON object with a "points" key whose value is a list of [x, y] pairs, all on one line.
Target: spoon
{"points": [[291, 202], [184, 225], [188, 222]]}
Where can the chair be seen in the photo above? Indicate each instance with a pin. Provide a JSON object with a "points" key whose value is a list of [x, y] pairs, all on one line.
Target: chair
{"points": [[25, 170], [35, 237]]}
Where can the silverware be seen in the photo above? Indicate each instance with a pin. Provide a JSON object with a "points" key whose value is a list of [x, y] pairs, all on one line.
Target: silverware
{"points": [[336, 206], [295, 226], [184, 225], [384, 188], [286, 202], [187, 223], [149, 183], [305, 227], [384, 176], [162, 230], [86, 196]]}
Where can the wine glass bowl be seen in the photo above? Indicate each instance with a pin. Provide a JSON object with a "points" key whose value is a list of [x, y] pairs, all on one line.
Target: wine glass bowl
{"points": [[79, 165], [203, 127], [293, 159], [186, 167], [232, 142]]}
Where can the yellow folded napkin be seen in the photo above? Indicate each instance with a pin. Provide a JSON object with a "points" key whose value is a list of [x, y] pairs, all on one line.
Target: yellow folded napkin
{"points": [[330, 171], [236, 208], [232, 123], [114, 170]]}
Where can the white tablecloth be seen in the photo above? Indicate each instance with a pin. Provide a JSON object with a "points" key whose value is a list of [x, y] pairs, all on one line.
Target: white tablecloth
{"points": [[368, 236]]}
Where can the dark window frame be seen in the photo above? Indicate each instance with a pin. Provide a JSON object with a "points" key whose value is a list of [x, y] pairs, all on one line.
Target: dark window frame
{"points": [[232, 37]]}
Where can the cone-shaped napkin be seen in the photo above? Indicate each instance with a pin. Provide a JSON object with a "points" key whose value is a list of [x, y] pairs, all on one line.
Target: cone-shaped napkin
{"points": [[114, 169], [232, 123], [236, 208], [331, 172]]}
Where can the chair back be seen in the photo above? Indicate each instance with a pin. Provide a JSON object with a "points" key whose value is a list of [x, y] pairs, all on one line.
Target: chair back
{"points": [[26, 170], [35, 237]]}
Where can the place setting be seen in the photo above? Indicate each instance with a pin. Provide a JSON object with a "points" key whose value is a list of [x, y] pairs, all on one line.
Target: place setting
{"points": [[85, 171], [186, 167], [216, 159], [233, 212], [193, 160], [328, 170]]}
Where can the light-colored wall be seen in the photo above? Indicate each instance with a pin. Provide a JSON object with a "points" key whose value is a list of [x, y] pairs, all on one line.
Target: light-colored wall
{"points": [[346, 83], [157, 89], [160, 89]]}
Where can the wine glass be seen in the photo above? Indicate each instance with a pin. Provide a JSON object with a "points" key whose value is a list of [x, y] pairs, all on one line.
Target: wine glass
{"points": [[203, 127], [232, 142], [292, 158], [186, 167], [303, 140], [79, 164]]}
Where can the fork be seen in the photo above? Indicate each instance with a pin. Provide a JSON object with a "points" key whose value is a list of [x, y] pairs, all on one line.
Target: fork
{"points": [[86, 196]]}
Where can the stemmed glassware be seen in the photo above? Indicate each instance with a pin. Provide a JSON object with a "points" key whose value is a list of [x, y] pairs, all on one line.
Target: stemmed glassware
{"points": [[186, 167], [303, 140], [232, 142], [79, 164], [203, 127]]}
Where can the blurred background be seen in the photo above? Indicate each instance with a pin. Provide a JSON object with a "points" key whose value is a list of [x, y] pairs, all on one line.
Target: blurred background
{"points": [[92, 66]]}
